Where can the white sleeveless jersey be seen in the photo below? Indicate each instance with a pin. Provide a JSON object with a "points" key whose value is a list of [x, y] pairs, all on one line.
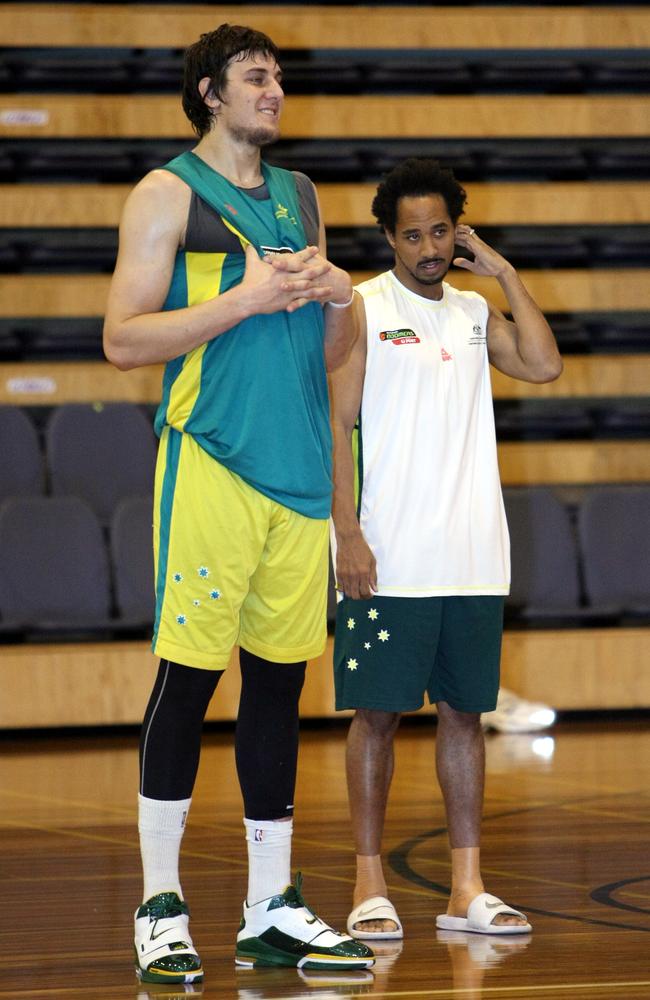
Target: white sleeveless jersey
{"points": [[430, 505]]}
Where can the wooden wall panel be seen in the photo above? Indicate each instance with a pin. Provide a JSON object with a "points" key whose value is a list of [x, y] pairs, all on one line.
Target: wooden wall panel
{"points": [[88, 381], [584, 375], [580, 669], [524, 463], [49, 383], [339, 117], [354, 26], [109, 683], [569, 290], [489, 204], [53, 294]]}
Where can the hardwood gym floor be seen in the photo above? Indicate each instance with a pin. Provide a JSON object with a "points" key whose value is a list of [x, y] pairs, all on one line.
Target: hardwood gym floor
{"points": [[566, 838]]}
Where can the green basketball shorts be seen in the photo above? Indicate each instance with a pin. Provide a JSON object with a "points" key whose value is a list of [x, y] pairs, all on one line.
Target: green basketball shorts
{"points": [[389, 650]]}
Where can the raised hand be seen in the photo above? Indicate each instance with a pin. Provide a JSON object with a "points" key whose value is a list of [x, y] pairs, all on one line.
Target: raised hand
{"points": [[486, 260]]}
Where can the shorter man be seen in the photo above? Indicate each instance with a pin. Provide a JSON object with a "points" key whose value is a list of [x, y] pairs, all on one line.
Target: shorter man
{"points": [[422, 551]]}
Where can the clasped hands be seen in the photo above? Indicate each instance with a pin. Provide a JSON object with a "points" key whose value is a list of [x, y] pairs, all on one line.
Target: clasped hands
{"points": [[309, 277]]}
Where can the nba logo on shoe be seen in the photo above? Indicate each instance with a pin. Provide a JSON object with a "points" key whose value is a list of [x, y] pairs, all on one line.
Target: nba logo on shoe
{"points": [[259, 836], [445, 355]]}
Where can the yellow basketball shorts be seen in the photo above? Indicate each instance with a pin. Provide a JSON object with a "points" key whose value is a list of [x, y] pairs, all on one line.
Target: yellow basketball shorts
{"points": [[232, 566]]}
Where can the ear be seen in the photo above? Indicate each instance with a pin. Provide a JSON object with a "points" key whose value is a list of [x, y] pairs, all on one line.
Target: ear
{"points": [[207, 93], [390, 237]]}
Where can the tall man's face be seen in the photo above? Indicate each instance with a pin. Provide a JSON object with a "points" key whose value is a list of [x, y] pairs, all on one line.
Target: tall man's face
{"points": [[252, 100], [423, 242]]}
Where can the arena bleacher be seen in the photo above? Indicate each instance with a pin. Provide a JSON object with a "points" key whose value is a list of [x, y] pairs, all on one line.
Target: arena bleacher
{"points": [[543, 111]]}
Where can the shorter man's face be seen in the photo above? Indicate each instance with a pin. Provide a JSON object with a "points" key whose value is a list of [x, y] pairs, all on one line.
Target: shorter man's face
{"points": [[252, 100], [423, 242]]}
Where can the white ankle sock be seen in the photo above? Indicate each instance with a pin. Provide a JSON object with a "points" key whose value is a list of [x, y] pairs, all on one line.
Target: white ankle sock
{"points": [[161, 825], [269, 857]]}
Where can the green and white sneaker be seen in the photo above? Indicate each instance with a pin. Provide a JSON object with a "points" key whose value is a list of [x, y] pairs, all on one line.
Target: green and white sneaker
{"points": [[164, 952], [282, 930]]}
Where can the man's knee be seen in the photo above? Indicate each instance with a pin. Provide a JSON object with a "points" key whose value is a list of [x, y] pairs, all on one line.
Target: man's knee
{"points": [[453, 718], [378, 724]]}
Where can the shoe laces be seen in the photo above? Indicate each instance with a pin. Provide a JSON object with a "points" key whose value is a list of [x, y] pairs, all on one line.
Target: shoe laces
{"points": [[293, 897], [165, 905]]}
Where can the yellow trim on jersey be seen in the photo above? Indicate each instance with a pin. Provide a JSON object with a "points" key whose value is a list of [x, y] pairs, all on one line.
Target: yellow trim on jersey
{"points": [[161, 467], [240, 236], [203, 273]]}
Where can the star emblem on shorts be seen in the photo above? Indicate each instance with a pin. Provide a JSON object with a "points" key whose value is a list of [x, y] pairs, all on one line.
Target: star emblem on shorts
{"points": [[203, 571], [352, 664], [373, 614], [367, 645], [351, 623], [383, 635]]}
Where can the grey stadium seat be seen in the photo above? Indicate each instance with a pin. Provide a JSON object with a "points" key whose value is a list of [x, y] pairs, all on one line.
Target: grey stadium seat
{"points": [[54, 566], [22, 471], [102, 453], [545, 580], [614, 530], [132, 560]]}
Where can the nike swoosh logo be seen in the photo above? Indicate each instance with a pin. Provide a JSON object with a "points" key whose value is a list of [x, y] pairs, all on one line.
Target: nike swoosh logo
{"points": [[153, 936], [493, 906], [365, 913]]}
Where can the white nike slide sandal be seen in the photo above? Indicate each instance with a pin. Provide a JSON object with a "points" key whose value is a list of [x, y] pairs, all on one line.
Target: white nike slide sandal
{"points": [[480, 914], [375, 908]]}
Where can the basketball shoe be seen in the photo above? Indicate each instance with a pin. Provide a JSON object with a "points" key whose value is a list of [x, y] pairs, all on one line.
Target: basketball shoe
{"points": [[282, 930], [164, 952]]}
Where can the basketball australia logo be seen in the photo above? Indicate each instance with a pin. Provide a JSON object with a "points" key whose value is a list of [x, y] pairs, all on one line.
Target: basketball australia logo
{"points": [[398, 337], [478, 336], [282, 212]]}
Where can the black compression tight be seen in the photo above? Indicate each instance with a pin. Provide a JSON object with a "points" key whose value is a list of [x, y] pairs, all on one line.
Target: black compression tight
{"points": [[170, 741], [266, 742]]}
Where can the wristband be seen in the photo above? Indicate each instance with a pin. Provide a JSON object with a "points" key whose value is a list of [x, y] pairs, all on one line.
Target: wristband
{"points": [[342, 305]]}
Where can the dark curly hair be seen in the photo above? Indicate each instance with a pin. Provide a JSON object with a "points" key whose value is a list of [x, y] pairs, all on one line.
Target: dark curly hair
{"points": [[210, 56], [414, 177]]}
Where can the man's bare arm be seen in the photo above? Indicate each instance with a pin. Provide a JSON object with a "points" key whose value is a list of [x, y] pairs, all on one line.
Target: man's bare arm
{"points": [[136, 330], [356, 569], [524, 348]]}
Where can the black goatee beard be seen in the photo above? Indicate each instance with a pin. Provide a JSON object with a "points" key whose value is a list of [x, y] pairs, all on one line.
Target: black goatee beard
{"points": [[258, 137]]}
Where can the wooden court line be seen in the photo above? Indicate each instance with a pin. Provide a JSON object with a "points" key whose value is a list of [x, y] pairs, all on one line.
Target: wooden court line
{"points": [[231, 828], [494, 991], [500, 990], [429, 891], [606, 812], [311, 872]]}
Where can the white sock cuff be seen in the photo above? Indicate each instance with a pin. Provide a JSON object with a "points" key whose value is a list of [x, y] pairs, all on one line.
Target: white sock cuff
{"points": [[273, 830], [162, 816]]}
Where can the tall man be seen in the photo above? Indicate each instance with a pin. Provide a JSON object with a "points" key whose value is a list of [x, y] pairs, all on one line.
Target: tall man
{"points": [[422, 552], [222, 274]]}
